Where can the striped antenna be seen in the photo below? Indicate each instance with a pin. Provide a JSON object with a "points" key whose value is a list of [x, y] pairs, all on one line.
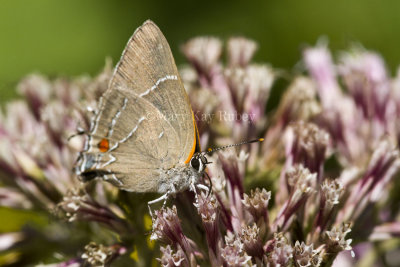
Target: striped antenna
{"points": [[210, 150]]}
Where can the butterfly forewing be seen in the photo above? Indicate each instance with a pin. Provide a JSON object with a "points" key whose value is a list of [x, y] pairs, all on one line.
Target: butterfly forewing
{"points": [[148, 68], [144, 123]]}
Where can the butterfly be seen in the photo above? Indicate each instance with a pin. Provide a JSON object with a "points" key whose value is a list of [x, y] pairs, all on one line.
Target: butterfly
{"points": [[143, 137]]}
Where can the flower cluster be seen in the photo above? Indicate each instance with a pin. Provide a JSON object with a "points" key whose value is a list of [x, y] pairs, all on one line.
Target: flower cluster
{"points": [[316, 192]]}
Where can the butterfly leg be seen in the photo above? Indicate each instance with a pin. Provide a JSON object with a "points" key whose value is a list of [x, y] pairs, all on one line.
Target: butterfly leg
{"points": [[208, 189], [163, 197], [202, 186], [193, 186]]}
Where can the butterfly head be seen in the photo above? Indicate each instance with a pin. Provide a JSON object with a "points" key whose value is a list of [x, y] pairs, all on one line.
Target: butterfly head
{"points": [[199, 162]]}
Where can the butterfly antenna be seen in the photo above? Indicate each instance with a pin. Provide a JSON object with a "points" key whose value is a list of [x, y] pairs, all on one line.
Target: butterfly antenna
{"points": [[211, 150]]}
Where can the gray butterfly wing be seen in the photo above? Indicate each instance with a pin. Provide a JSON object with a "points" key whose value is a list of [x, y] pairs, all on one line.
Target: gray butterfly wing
{"points": [[145, 123], [147, 66]]}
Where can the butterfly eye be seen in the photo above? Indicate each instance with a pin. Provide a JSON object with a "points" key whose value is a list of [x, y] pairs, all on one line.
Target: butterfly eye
{"points": [[195, 163]]}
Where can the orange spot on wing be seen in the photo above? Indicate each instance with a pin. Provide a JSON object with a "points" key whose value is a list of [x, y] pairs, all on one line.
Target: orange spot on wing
{"points": [[104, 145], [194, 146]]}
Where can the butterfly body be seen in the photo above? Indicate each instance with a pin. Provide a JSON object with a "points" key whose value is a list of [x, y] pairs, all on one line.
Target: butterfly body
{"points": [[177, 179]]}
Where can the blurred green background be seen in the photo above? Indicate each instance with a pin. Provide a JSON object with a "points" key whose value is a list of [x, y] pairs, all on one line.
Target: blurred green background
{"points": [[74, 37]]}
